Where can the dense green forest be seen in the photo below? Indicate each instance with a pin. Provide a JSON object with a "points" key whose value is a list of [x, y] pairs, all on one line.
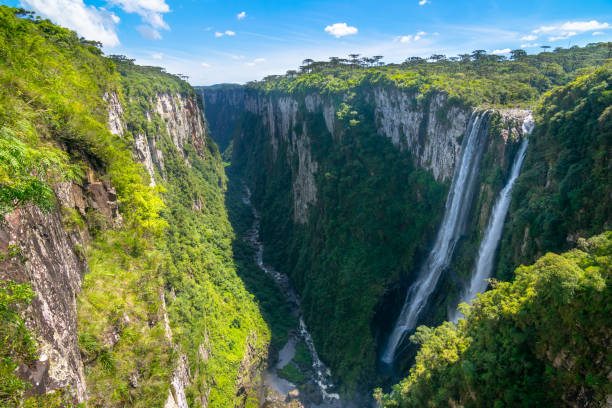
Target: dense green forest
{"points": [[540, 340], [476, 79]]}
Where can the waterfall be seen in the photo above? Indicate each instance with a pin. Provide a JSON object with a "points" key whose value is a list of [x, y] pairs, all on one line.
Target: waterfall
{"points": [[493, 233], [457, 208]]}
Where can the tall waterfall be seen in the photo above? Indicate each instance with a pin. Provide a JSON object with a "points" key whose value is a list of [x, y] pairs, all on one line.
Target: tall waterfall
{"points": [[493, 233], [456, 211]]}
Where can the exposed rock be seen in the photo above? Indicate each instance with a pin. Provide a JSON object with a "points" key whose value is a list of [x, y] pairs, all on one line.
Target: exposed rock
{"points": [[143, 154], [180, 380], [304, 187], [430, 128], [115, 113], [184, 121], [248, 379], [224, 106], [50, 264]]}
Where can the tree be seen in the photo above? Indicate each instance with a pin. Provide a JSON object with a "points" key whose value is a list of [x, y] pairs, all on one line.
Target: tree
{"points": [[354, 58], [478, 55], [437, 57], [517, 55], [377, 59]]}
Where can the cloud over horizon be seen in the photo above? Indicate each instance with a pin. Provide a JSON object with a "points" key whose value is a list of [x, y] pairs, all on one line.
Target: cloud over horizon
{"points": [[340, 30], [93, 23]]}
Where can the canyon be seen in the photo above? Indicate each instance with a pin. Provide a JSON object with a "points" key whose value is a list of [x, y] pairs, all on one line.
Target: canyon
{"points": [[302, 240]]}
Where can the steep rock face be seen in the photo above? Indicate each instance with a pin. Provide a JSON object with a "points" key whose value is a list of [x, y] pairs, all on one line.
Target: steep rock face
{"points": [[115, 113], [183, 120], [224, 106], [284, 128], [430, 128], [52, 261]]}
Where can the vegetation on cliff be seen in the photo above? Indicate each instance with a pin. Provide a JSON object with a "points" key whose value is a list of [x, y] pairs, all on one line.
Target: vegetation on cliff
{"points": [[212, 315], [541, 340], [565, 189], [53, 127]]}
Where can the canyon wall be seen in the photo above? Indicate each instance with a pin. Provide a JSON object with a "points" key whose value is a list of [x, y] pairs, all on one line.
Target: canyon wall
{"points": [[351, 188]]}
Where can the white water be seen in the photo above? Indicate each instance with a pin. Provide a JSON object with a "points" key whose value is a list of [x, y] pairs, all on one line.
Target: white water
{"points": [[493, 233], [457, 208], [321, 372]]}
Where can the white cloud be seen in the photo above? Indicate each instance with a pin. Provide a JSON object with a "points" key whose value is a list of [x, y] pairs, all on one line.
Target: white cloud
{"points": [[598, 33], [241, 15], [255, 62], [424, 2], [529, 37], [570, 29], [90, 22], [150, 10], [149, 32], [206, 65], [340, 30], [501, 52], [157, 55], [227, 32], [411, 38], [563, 36], [530, 45], [237, 57]]}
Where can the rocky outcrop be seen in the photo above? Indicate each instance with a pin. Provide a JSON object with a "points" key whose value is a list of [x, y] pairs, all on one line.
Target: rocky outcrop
{"points": [[431, 128], [181, 378], [115, 113], [286, 126], [50, 263], [51, 259], [184, 120]]}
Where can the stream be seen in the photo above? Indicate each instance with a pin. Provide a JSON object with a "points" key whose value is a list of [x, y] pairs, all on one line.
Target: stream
{"points": [[319, 376]]}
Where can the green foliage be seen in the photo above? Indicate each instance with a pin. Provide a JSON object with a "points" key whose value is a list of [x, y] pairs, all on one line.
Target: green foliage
{"points": [[52, 95], [17, 345], [302, 356], [566, 183], [477, 79], [208, 305], [292, 374], [25, 172], [538, 341]]}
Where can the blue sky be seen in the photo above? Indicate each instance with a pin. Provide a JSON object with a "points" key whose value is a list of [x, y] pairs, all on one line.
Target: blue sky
{"points": [[238, 41]]}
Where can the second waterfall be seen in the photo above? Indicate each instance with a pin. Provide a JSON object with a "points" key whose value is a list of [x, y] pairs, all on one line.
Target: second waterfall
{"points": [[456, 211]]}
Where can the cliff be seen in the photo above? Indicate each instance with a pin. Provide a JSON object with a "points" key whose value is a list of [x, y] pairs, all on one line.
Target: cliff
{"points": [[103, 218]]}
